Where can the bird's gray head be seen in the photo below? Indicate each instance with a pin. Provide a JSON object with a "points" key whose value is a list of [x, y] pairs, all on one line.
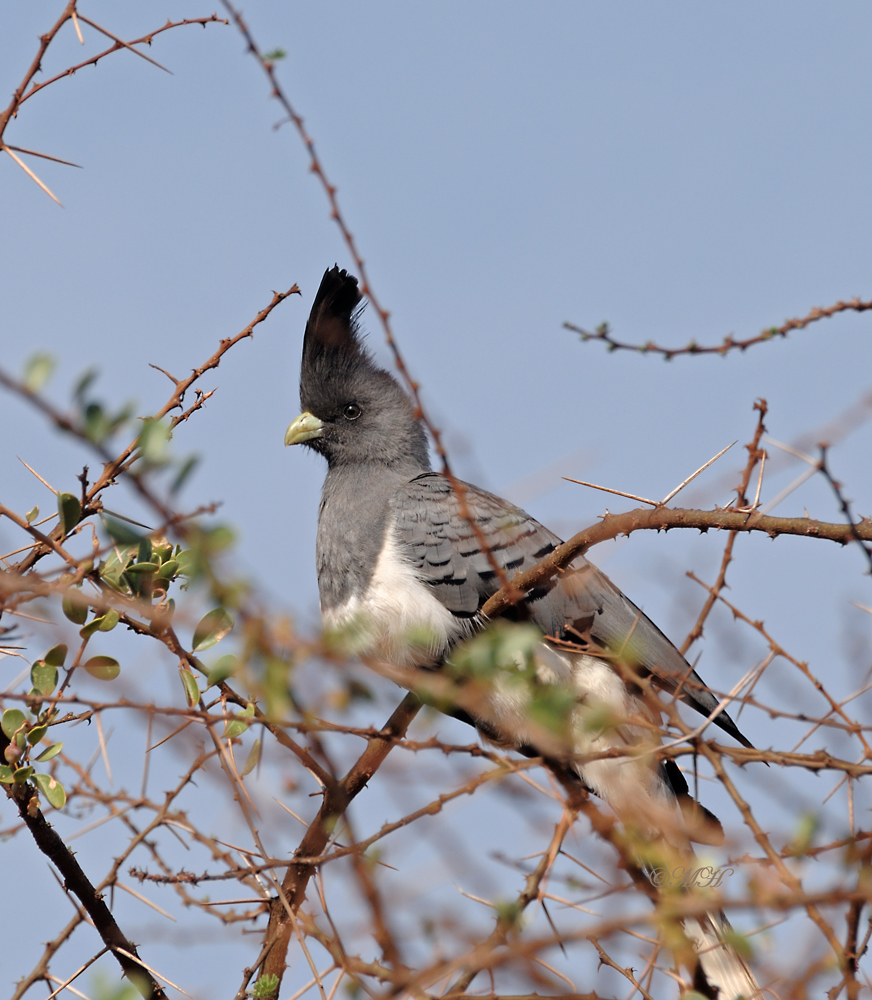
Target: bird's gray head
{"points": [[353, 411]]}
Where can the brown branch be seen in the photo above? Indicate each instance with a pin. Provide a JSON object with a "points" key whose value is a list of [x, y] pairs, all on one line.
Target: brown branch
{"points": [[784, 872], [40, 970], [819, 760], [507, 920], [779, 650], [337, 797], [755, 454], [75, 880], [662, 519], [22, 94], [843, 504], [602, 333], [49, 542], [35, 66]]}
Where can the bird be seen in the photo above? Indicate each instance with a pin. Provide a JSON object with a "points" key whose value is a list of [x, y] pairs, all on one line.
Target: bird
{"points": [[406, 558]]}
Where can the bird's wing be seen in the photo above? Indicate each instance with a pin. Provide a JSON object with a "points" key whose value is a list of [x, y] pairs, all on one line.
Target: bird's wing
{"points": [[581, 604]]}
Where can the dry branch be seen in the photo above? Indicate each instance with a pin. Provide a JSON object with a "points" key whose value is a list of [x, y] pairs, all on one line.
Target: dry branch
{"points": [[729, 343], [663, 519]]}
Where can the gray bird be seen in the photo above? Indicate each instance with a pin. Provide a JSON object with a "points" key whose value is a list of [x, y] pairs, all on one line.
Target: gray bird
{"points": [[406, 559]]}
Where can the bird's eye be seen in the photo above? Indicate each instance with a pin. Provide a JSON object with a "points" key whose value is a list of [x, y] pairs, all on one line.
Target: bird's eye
{"points": [[352, 411]]}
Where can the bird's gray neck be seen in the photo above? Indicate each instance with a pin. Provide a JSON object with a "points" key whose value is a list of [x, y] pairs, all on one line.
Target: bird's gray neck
{"points": [[352, 523]]}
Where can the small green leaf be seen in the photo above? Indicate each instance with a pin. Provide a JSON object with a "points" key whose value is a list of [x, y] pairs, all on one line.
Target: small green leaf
{"points": [[43, 677], [96, 422], [740, 943], [21, 775], [161, 549], [169, 569], [37, 371], [50, 752], [84, 383], [36, 734], [509, 913], [236, 726], [11, 721], [52, 789], [153, 440], [145, 551], [143, 567], [88, 630], [109, 620], [104, 668], [219, 538], [805, 833], [102, 623], [192, 689], [5, 774], [75, 607], [224, 668], [188, 563], [56, 655], [69, 511], [113, 570], [211, 629], [253, 758], [32, 515]]}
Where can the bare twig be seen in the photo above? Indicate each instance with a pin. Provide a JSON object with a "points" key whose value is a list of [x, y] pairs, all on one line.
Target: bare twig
{"points": [[603, 334]]}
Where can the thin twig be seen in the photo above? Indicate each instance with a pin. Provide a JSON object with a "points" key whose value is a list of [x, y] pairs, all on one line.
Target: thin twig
{"points": [[603, 334]]}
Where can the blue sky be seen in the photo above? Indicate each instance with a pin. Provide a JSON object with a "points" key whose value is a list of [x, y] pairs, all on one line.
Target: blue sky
{"points": [[681, 170]]}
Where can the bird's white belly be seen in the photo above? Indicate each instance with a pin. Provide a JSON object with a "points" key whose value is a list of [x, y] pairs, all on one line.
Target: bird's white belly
{"points": [[398, 618]]}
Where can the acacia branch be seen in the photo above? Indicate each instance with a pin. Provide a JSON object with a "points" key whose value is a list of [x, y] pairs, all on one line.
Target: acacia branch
{"points": [[603, 333], [662, 519], [76, 881], [755, 455], [337, 797]]}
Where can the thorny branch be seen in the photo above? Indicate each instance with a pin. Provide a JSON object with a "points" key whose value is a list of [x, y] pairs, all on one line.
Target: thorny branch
{"points": [[27, 88], [664, 519], [603, 333], [337, 797], [755, 455], [75, 880]]}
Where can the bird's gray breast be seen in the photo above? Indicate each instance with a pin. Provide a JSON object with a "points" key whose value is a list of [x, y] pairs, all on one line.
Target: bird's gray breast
{"points": [[352, 527]]}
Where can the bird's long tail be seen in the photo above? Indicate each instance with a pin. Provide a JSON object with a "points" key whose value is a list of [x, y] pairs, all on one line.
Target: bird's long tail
{"points": [[668, 860], [726, 972]]}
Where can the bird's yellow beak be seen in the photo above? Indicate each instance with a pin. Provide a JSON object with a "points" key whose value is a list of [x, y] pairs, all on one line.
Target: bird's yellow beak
{"points": [[304, 428]]}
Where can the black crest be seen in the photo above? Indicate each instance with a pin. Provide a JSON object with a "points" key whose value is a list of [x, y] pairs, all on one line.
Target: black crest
{"points": [[332, 350], [332, 324]]}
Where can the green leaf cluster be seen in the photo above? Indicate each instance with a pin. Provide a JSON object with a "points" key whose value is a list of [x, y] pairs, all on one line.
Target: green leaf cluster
{"points": [[25, 735], [139, 566], [266, 986], [504, 648]]}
